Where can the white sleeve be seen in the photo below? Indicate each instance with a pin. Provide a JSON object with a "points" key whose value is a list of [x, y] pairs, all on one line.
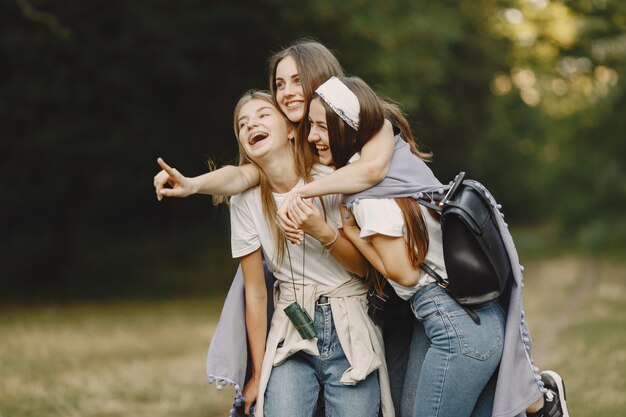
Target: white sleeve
{"points": [[244, 238], [333, 215], [379, 216]]}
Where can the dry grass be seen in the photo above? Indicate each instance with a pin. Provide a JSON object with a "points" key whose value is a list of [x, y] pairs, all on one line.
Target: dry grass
{"points": [[147, 358], [130, 359], [577, 314]]}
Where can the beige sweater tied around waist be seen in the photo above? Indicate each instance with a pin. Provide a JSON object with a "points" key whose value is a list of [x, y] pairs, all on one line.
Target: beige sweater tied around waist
{"points": [[360, 339]]}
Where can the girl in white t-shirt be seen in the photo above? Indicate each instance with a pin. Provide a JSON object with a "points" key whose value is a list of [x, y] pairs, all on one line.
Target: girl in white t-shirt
{"points": [[295, 73], [397, 236], [455, 373], [321, 275]]}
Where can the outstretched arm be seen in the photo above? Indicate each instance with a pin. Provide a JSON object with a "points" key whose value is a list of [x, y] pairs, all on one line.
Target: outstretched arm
{"points": [[368, 171], [228, 180], [256, 320]]}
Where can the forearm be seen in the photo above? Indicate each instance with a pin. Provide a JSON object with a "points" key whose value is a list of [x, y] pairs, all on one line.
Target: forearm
{"points": [[339, 247], [365, 248], [228, 180], [256, 307], [352, 178], [393, 253], [347, 255], [256, 325], [360, 175]]}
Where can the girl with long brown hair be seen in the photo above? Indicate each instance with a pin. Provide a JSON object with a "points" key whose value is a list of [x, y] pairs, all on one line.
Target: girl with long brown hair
{"points": [[294, 74], [455, 372], [290, 368]]}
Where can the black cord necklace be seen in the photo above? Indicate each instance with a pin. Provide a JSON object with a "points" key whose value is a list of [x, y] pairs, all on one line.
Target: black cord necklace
{"points": [[299, 317], [293, 281]]}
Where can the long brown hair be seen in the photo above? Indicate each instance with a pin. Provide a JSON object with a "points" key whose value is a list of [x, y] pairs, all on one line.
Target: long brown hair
{"points": [[345, 141], [267, 198], [316, 64]]}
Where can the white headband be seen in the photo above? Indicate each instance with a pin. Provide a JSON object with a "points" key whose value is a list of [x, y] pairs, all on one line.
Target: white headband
{"points": [[342, 100]]}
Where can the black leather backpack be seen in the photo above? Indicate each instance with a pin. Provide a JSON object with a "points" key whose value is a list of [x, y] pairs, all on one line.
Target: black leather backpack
{"points": [[476, 259]]}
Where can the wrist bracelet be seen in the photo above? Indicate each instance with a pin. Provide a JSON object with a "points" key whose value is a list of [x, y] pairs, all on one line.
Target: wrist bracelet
{"points": [[330, 245]]}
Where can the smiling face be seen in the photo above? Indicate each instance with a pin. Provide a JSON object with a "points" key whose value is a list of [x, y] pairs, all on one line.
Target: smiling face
{"points": [[261, 129], [289, 91], [318, 135]]}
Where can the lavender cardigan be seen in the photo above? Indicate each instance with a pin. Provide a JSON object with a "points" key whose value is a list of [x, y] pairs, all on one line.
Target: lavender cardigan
{"points": [[518, 384]]}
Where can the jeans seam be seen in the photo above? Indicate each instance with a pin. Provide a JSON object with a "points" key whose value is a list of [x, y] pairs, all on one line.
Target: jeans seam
{"points": [[446, 325], [327, 332]]}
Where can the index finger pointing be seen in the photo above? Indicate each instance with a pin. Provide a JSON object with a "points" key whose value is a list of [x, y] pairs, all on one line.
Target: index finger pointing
{"points": [[165, 166]]}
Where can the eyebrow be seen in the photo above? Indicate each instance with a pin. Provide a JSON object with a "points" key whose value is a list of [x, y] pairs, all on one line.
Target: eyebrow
{"points": [[256, 112], [297, 74]]}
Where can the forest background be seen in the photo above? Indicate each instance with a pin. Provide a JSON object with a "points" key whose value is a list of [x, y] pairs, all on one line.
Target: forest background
{"points": [[527, 96]]}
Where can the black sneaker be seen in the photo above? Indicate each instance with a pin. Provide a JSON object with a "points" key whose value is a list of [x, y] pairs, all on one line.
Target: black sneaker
{"points": [[554, 404]]}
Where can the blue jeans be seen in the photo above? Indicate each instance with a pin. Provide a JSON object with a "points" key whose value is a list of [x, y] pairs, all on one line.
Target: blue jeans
{"points": [[294, 385], [449, 366], [400, 341]]}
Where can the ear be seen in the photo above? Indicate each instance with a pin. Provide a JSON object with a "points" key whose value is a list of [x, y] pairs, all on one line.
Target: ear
{"points": [[291, 135]]}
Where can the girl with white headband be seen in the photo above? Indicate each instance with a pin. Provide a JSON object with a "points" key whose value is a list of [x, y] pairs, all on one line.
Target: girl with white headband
{"points": [[294, 74], [458, 368], [334, 346]]}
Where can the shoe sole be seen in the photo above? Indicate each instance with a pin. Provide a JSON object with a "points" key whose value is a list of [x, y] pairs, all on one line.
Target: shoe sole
{"points": [[558, 382]]}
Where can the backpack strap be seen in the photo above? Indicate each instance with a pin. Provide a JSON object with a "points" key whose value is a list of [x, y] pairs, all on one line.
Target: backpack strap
{"points": [[439, 204], [444, 284], [429, 204]]}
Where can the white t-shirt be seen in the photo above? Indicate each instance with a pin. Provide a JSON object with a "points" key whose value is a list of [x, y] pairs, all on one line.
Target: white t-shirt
{"points": [[383, 216], [249, 231]]}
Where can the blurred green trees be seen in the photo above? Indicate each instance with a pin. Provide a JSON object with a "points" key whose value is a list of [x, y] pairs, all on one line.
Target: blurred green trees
{"points": [[526, 95], [568, 63]]}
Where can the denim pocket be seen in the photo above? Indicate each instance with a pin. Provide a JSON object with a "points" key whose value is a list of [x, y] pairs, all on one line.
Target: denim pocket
{"points": [[479, 341]]}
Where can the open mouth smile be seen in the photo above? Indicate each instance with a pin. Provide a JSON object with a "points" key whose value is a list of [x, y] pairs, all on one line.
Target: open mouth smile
{"points": [[257, 137], [321, 148], [293, 104]]}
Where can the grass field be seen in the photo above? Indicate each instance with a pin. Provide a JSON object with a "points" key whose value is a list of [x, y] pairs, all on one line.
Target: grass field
{"points": [[577, 315], [137, 359], [122, 359]]}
